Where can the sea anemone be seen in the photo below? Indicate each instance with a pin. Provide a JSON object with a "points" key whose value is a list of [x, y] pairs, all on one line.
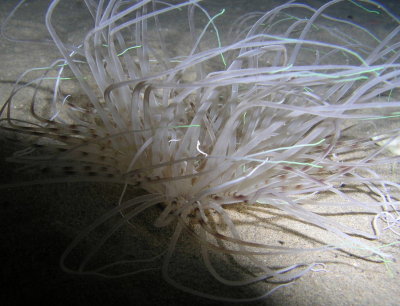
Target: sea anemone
{"points": [[270, 120]]}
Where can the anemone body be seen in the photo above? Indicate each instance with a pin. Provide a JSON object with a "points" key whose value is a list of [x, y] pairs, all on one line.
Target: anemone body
{"points": [[259, 118]]}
